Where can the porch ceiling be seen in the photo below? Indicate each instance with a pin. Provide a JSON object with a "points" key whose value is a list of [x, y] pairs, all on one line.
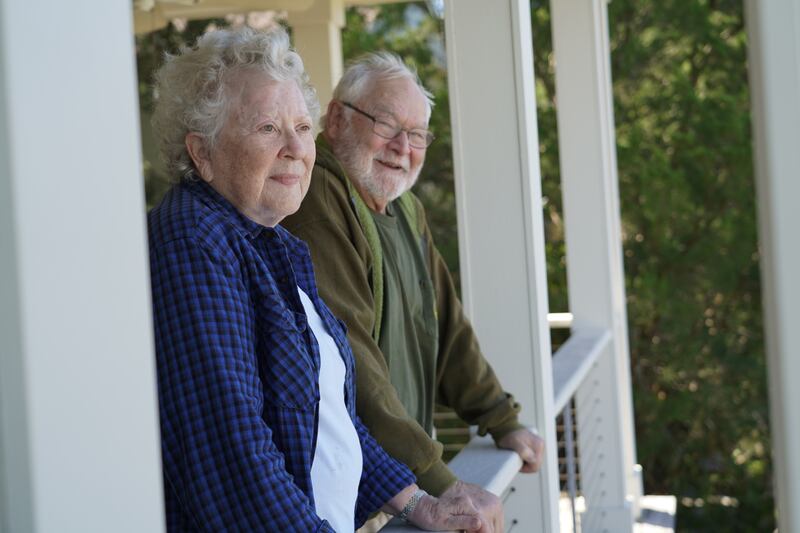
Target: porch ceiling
{"points": [[151, 15]]}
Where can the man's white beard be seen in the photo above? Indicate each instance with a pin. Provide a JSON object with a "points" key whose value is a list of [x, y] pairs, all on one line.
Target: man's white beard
{"points": [[363, 170]]}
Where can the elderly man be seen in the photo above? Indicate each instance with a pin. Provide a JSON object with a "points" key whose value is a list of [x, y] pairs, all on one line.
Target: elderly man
{"points": [[380, 272]]}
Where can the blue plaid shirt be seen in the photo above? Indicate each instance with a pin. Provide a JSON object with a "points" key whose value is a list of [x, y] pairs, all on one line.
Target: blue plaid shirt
{"points": [[238, 371]]}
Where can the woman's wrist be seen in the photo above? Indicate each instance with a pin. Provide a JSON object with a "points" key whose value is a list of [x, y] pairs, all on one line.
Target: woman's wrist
{"points": [[416, 506], [410, 506], [399, 500]]}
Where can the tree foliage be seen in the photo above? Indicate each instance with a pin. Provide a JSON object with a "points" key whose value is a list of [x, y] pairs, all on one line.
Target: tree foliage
{"points": [[691, 255]]}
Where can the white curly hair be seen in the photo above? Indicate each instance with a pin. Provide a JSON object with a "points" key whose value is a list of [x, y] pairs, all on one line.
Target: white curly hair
{"points": [[192, 86]]}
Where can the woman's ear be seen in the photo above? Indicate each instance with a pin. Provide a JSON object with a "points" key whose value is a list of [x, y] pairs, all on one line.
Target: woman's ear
{"points": [[198, 151]]}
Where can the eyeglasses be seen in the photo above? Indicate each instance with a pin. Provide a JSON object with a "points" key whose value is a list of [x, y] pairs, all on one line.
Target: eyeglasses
{"points": [[417, 137]]}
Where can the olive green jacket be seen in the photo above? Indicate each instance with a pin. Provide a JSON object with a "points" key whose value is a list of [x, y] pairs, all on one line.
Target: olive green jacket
{"points": [[342, 238]]}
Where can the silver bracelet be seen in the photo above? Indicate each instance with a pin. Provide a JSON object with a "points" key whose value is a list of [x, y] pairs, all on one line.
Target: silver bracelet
{"points": [[411, 505]]}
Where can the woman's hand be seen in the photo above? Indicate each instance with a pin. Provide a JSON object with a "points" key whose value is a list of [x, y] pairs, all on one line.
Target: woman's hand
{"points": [[436, 514], [488, 505]]}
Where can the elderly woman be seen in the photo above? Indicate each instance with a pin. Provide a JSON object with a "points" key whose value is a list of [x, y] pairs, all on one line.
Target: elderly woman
{"points": [[255, 376]]}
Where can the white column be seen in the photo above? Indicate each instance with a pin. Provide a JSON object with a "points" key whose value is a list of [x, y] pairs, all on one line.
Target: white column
{"points": [[79, 448], [317, 34], [774, 59], [501, 237], [594, 260]]}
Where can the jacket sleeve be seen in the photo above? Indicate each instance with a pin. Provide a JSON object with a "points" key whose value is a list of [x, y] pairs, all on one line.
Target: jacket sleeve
{"points": [[465, 380], [219, 457], [342, 263], [382, 478]]}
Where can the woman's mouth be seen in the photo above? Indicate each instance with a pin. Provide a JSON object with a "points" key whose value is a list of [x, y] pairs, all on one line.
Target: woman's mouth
{"points": [[286, 179]]}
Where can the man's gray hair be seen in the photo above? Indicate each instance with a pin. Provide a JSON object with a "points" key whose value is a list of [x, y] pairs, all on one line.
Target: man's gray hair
{"points": [[192, 87], [363, 72]]}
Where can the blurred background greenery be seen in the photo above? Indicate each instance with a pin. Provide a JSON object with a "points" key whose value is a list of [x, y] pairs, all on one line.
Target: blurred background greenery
{"points": [[689, 230]]}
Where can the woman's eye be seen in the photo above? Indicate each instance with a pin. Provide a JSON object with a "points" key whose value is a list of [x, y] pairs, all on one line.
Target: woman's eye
{"points": [[269, 128], [304, 128]]}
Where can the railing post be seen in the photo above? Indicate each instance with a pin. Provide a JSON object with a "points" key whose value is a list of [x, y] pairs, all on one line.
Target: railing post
{"points": [[773, 33], [79, 441], [594, 260], [318, 38], [501, 237]]}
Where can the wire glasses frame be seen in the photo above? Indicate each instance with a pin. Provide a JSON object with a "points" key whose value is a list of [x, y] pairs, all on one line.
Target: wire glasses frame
{"points": [[417, 137]]}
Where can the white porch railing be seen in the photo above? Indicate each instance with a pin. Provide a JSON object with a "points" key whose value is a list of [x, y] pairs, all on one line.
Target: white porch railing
{"points": [[572, 362], [483, 464]]}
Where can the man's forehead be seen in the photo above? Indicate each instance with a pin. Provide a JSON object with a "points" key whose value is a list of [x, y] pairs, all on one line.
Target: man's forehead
{"points": [[400, 97]]}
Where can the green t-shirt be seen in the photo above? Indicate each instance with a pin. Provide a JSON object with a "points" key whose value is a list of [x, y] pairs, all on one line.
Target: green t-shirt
{"points": [[409, 331]]}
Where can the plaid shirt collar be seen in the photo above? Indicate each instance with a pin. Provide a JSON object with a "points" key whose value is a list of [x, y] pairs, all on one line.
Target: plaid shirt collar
{"points": [[297, 249], [214, 200]]}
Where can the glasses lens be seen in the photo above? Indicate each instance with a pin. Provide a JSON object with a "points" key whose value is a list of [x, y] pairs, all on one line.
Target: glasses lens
{"points": [[419, 138], [416, 138], [385, 130]]}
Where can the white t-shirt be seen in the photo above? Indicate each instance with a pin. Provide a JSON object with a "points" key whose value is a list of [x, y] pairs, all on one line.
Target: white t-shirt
{"points": [[336, 470]]}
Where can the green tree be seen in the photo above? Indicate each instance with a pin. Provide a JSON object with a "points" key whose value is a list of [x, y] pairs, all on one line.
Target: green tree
{"points": [[691, 256]]}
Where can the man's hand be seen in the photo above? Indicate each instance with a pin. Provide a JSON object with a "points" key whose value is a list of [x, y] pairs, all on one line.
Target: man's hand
{"points": [[529, 446], [488, 505]]}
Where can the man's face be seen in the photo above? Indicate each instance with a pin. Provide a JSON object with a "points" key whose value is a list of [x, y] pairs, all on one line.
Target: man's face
{"points": [[265, 152], [382, 169]]}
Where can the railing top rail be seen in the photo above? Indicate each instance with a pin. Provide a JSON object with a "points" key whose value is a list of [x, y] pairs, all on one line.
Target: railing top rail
{"points": [[573, 360], [559, 320]]}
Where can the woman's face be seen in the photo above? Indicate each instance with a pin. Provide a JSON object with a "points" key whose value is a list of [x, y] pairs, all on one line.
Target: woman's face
{"points": [[265, 151]]}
